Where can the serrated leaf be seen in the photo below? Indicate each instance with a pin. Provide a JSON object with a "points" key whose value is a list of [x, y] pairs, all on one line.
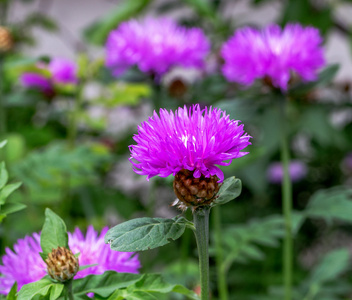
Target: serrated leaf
{"points": [[41, 287], [229, 190], [12, 295], [4, 176], [54, 232], [144, 233]]}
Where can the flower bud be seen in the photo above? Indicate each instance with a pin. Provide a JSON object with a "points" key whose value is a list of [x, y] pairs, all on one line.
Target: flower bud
{"points": [[193, 191], [62, 265], [6, 40]]}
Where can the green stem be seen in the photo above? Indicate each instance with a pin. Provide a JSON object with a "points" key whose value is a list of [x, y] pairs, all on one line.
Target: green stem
{"points": [[2, 106], [201, 223], [221, 272], [69, 291], [73, 120], [287, 207]]}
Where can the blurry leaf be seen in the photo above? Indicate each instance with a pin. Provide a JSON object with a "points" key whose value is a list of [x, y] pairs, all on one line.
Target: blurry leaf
{"points": [[202, 7], [240, 242], [3, 175], [239, 109], [7, 191], [325, 77], [229, 190], [9, 208], [144, 233], [40, 20], [3, 143], [12, 294], [331, 266], [15, 148], [41, 287], [329, 204], [98, 32], [54, 233]]}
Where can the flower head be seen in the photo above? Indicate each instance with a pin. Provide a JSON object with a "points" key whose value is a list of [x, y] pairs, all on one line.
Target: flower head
{"points": [[25, 265], [273, 52], [297, 170], [194, 139], [60, 71], [155, 46]]}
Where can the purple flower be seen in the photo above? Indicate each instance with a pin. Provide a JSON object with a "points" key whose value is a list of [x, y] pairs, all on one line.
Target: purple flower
{"points": [[60, 71], [297, 169], [155, 46], [273, 52], [194, 139], [25, 265]]}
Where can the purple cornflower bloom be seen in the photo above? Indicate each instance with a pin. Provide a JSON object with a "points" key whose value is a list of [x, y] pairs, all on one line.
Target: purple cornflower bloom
{"points": [[297, 170], [61, 71], [194, 139], [25, 265], [155, 46], [273, 52]]}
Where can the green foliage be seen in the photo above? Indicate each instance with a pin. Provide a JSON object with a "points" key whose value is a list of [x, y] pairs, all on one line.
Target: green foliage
{"points": [[331, 204], [12, 295], [145, 233], [241, 242], [54, 233], [128, 286], [45, 172], [229, 190], [44, 287]]}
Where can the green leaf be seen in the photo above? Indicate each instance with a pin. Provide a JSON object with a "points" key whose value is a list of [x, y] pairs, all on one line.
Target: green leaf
{"points": [[7, 190], [329, 204], [105, 284], [9, 208], [331, 266], [41, 287], [13, 292], [144, 233], [54, 232], [202, 7], [56, 291], [229, 190], [3, 143], [4, 176], [98, 32]]}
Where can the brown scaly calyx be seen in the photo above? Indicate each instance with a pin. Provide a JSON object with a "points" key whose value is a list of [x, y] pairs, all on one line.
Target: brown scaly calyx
{"points": [[6, 40], [62, 265], [194, 191]]}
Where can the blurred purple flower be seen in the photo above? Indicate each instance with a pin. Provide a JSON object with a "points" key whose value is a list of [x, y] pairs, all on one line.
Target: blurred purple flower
{"points": [[194, 139], [61, 71], [273, 52], [346, 165], [297, 169], [155, 46], [25, 265]]}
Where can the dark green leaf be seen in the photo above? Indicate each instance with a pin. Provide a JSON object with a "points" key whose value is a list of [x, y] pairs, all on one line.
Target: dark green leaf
{"points": [[9, 208], [54, 232], [229, 190], [12, 294], [144, 233]]}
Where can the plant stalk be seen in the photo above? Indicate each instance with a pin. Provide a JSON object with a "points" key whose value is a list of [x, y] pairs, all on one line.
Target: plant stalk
{"points": [[201, 223], [2, 104], [219, 255], [286, 206], [69, 291]]}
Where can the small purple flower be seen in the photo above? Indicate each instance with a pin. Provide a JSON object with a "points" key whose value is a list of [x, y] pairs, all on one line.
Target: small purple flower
{"points": [[25, 265], [273, 52], [155, 46], [61, 71], [297, 170], [194, 139]]}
